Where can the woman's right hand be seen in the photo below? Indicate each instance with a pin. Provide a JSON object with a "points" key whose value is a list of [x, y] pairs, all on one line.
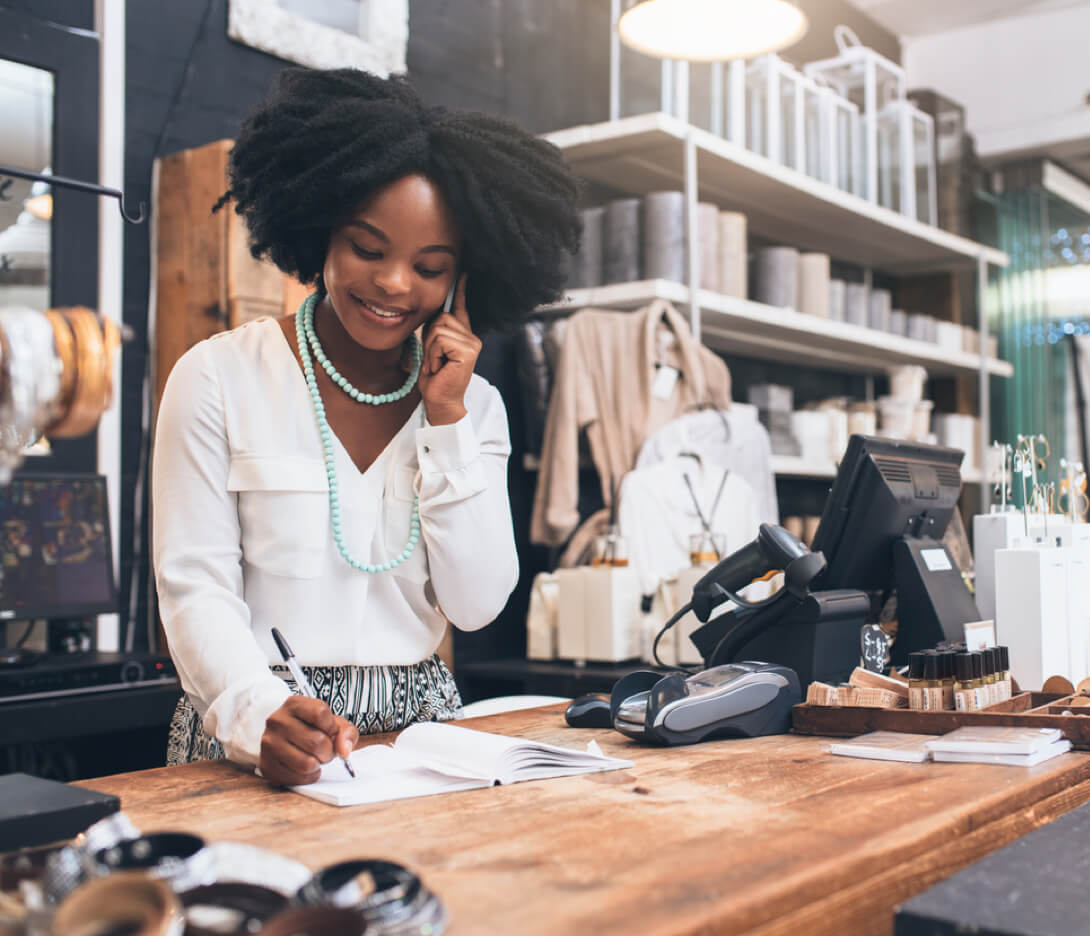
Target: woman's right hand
{"points": [[299, 737]]}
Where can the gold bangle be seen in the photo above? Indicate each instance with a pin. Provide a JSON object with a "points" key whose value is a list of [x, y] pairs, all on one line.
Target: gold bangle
{"points": [[111, 339], [89, 398], [65, 345]]}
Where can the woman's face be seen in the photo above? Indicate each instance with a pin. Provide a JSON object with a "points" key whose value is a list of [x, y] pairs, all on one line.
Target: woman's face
{"points": [[390, 266]]}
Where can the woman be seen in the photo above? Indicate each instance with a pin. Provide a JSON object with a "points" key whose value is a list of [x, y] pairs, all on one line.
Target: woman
{"points": [[329, 474]]}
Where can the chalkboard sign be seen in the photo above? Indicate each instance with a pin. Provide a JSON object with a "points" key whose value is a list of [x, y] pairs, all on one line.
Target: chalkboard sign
{"points": [[875, 648]]}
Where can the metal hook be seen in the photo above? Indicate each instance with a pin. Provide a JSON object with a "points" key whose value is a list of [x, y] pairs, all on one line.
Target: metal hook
{"points": [[79, 186]]}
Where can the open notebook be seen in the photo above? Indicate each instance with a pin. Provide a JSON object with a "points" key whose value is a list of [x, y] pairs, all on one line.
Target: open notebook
{"points": [[435, 757]]}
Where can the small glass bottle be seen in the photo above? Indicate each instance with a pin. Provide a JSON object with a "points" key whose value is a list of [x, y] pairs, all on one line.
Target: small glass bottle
{"points": [[917, 693], [611, 549], [1005, 671], [706, 549], [946, 674], [979, 687], [932, 681], [964, 696]]}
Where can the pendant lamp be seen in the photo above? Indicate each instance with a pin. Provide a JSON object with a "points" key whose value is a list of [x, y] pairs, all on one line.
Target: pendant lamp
{"points": [[711, 30]]}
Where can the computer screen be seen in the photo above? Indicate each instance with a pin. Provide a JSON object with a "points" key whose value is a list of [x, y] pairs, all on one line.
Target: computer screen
{"points": [[885, 489], [55, 553]]}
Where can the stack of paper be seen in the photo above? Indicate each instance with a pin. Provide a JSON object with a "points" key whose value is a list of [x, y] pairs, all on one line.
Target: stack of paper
{"points": [[886, 745], [1018, 747]]}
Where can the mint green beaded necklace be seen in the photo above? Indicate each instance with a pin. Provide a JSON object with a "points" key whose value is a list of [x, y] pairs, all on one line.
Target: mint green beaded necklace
{"points": [[305, 334]]}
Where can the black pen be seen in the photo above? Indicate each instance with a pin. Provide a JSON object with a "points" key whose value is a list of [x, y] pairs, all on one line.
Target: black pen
{"points": [[301, 681]]}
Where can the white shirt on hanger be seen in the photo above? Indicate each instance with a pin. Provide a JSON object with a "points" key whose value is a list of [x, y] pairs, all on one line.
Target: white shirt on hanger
{"points": [[242, 538], [657, 514]]}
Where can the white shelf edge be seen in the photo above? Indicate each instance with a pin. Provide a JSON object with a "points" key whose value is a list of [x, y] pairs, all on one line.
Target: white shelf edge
{"points": [[617, 132], [787, 466], [786, 331]]}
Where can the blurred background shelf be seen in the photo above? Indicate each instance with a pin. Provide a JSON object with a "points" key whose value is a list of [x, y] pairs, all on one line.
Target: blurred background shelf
{"points": [[739, 326], [647, 153]]}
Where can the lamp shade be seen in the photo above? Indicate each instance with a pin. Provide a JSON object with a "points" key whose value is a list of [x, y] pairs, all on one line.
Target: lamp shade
{"points": [[711, 30]]}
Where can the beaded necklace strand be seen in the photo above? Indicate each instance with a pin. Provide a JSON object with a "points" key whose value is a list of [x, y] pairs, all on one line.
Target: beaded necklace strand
{"points": [[305, 334]]}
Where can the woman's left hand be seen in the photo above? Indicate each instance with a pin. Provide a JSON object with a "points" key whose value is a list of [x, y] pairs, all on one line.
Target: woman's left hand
{"points": [[450, 353]]}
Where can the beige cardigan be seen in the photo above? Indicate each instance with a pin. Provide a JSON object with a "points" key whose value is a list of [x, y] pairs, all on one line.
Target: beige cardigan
{"points": [[603, 385]]}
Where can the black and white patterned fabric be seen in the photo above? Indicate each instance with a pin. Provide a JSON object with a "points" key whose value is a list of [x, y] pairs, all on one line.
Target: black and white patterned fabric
{"points": [[374, 698]]}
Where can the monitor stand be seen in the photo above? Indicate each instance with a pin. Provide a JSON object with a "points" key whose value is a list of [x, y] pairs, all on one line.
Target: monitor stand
{"points": [[933, 602]]}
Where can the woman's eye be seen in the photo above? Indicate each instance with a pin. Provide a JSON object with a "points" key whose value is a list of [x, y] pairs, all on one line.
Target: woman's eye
{"points": [[364, 252], [429, 274]]}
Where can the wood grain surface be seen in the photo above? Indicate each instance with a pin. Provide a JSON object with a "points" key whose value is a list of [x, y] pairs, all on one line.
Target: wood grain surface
{"points": [[770, 835]]}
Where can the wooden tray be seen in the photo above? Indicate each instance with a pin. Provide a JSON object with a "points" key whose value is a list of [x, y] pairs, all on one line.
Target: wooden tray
{"points": [[1027, 709]]}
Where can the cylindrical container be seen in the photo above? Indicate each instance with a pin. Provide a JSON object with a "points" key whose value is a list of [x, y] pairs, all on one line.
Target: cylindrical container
{"points": [[856, 304], [621, 241], [837, 298], [881, 304], [707, 220], [933, 681], [586, 267], [921, 420], [906, 382], [733, 255], [965, 697], [946, 672], [778, 276], [895, 417], [917, 327], [706, 549], [898, 322], [663, 242], [811, 430], [862, 418], [814, 284], [838, 433]]}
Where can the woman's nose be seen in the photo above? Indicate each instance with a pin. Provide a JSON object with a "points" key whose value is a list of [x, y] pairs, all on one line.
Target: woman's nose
{"points": [[392, 279]]}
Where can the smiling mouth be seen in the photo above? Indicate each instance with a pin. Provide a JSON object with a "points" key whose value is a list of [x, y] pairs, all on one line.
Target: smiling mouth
{"points": [[382, 312]]}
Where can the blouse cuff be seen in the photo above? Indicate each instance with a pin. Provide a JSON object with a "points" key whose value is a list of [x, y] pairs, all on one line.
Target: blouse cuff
{"points": [[441, 449], [244, 718]]}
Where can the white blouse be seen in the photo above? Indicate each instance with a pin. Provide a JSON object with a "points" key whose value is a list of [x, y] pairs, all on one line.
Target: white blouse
{"points": [[243, 543]]}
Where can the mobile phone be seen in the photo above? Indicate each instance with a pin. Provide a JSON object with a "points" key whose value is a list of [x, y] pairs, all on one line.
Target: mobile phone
{"points": [[449, 301]]}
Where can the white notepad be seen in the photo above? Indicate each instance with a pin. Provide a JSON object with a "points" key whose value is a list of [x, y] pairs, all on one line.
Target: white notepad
{"points": [[998, 739], [1053, 749], [886, 745], [437, 757]]}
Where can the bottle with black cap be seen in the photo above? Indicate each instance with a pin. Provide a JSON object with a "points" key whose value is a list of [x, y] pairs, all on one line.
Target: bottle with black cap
{"points": [[932, 681], [946, 675], [965, 698], [1005, 671], [917, 692]]}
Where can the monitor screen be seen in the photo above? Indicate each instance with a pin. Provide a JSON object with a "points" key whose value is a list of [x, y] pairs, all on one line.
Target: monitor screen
{"points": [[884, 489], [55, 553]]}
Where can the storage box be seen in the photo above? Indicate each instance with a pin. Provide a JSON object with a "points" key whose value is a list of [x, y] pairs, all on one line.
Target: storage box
{"points": [[598, 613]]}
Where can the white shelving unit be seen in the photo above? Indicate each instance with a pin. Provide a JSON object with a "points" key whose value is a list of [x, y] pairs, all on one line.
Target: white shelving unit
{"points": [[652, 152], [645, 154], [738, 326]]}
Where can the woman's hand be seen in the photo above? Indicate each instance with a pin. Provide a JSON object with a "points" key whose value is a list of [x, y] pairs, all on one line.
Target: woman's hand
{"points": [[299, 737], [450, 353]]}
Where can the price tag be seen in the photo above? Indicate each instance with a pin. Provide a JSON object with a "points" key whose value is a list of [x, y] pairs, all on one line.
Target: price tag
{"points": [[875, 648], [665, 381]]}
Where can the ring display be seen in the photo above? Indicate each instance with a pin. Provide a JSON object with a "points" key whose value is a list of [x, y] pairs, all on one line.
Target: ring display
{"points": [[129, 902], [234, 909], [390, 897], [176, 857]]}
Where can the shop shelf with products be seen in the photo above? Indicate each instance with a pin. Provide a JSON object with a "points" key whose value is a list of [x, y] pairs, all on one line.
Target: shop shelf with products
{"points": [[652, 152]]}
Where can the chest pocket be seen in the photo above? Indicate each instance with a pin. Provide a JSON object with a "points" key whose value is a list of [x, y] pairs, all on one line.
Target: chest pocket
{"points": [[398, 508], [283, 510]]}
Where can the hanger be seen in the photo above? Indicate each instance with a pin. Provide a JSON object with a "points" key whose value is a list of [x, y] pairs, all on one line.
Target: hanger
{"points": [[705, 405]]}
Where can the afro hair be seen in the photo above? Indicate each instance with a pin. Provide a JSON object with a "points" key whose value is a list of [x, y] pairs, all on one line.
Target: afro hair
{"points": [[324, 141]]}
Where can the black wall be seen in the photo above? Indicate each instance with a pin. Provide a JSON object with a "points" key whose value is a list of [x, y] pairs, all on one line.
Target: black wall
{"points": [[545, 64]]}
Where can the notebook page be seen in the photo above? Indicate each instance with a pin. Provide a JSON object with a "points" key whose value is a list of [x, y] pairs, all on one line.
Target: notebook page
{"points": [[382, 774]]}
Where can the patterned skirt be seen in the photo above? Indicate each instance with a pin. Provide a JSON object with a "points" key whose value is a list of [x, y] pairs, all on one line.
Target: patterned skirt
{"points": [[374, 698]]}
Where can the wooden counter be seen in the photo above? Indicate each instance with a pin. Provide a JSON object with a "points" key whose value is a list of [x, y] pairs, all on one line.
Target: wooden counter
{"points": [[769, 836]]}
